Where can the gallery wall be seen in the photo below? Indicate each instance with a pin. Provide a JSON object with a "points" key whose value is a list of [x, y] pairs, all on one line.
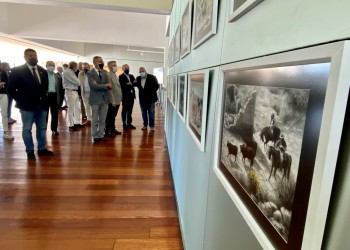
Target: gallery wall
{"points": [[208, 217]]}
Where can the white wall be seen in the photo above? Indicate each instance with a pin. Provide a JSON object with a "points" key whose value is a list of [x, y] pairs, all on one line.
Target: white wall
{"points": [[209, 219]]}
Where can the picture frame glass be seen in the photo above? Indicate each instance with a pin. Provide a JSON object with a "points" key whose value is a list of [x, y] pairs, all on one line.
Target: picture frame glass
{"points": [[268, 142], [195, 103], [186, 31]]}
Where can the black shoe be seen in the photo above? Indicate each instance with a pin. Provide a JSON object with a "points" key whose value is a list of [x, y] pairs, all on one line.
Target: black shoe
{"points": [[73, 128], [31, 156], [95, 140], [78, 125], [131, 126], [125, 127], [55, 133], [45, 152], [116, 132], [102, 140], [110, 134]]}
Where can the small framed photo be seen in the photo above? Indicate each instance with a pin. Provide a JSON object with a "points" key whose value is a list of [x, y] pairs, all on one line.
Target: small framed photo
{"points": [[277, 139], [239, 7], [205, 20], [177, 44], [173, 89], [182, 95], [197, 99], [186, 24]]}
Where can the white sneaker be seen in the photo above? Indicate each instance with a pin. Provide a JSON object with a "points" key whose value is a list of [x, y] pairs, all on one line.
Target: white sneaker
{"points": [[8, 136]]}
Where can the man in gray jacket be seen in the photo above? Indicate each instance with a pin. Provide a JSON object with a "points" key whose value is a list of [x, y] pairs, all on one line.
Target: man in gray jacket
{"points": [[115, 97], [99, 100]]}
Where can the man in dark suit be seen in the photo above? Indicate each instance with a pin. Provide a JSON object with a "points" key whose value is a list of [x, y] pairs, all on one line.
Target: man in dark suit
{"points": [[126, 82], [148, 86], [28, 85], [99, 100]]}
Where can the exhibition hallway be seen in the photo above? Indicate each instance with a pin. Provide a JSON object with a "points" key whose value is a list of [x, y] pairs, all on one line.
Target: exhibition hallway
{"points": [[117, 194]]}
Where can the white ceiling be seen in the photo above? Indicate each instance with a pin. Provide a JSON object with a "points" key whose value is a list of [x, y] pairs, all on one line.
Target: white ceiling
{"points": [[88, 22]]}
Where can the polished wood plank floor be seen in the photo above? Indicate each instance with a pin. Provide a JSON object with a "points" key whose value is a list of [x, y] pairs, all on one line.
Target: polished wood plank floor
{"points": [[114, 195]]}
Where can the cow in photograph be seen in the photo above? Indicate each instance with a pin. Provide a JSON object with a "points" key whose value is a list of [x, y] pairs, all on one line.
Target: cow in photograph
{"points": [[270, 134], [232, 150], [277, 162], [247, 152]]}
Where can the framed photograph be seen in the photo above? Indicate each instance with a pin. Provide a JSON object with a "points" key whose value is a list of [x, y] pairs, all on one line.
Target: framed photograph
{"points": [[177, 44], [205, 20], [197, 99], [186, 24], [171, 53], [182, 95], [239, 7], [277, 140], [169, 87], [174, 90]]}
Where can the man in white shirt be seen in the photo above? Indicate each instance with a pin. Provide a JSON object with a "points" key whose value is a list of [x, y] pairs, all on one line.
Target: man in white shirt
{"points": [[71, 84]]}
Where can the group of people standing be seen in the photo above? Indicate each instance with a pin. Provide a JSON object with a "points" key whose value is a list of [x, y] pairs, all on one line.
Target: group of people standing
{"points": [[37, 90]]}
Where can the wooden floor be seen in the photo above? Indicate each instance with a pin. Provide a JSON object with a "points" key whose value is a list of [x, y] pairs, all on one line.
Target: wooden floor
{"points": [[115, 195]]}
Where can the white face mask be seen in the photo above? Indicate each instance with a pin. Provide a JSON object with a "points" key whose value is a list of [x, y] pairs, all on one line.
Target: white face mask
{"points": [[115, 69], [51, 69]]}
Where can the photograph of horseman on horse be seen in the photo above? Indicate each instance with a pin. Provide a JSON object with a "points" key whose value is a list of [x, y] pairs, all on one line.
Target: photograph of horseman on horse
{"points": [[262, 134]]}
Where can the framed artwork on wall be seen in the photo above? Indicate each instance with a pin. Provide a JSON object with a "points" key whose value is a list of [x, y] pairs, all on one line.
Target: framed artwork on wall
{"points": [[197, 101], [182, 95], [205, 20], [277, 140], [174, 90], [171, 53], [239, 7], [169, 87], [177, 44], [186, 24]]}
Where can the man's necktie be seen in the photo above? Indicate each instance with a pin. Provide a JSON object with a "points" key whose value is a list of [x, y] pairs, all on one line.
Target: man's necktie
{"points": [[99, 74], [36, 76]]}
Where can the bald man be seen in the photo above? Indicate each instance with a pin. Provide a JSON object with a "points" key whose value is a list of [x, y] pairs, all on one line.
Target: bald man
{"points": [[148, 86], [53, 96]]}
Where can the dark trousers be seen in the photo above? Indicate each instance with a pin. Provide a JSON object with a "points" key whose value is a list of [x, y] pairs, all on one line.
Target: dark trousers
{"points": [[128, 105], [110, 119], [53, 107]]}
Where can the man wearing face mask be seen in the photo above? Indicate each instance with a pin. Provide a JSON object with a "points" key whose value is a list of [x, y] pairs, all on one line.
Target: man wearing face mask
{"points": [[28, 85], [115, 97], [99, 86], [85, 91], [53, 96], [148, 86], [71, 84], [126, 82]]}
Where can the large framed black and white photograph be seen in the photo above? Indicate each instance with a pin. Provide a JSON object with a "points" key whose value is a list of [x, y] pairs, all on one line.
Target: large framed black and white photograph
{"points": [[182, 95], [240, 7], [177, 44], [197, 101], [186, 22], [277, 141], [205, 20]]}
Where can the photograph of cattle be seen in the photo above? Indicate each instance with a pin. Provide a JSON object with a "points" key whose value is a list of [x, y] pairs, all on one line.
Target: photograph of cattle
{"points": [[262, 134]]}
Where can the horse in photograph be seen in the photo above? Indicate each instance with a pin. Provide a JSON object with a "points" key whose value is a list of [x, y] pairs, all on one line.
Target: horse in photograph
{"points": [[232, 150], [270, 134], [277, 163]]}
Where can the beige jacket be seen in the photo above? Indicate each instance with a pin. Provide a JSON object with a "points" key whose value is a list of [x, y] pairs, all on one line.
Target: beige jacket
{"points": [[115, 94]]}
